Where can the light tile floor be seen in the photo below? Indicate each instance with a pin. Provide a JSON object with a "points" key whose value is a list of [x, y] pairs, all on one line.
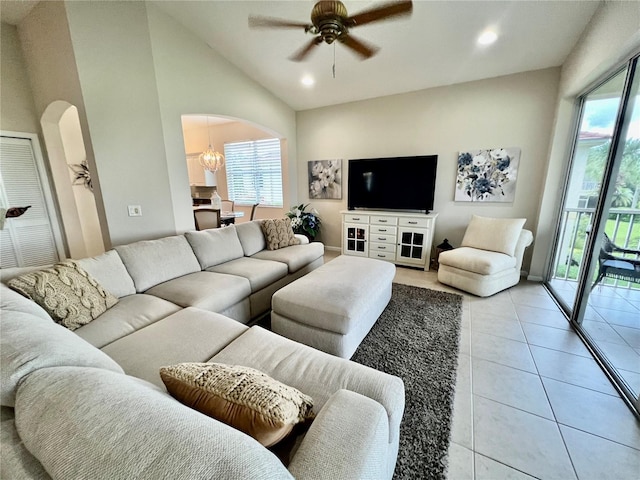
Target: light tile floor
{"points": [[530, 400]]}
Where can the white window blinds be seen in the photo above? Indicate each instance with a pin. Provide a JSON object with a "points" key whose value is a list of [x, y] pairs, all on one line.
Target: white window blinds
{"points": [[254, 172]]}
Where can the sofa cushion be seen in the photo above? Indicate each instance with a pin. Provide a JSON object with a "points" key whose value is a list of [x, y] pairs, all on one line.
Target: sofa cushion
{"points": [[494, 234], [97, 424], [260, 273], [251, 237], [215, 246], [130, 314], [10, 300], [17, 462], [110, 272], [207, 290], [242, 397], [69, 294], [291, 362], [278, 233], [151, 262], [29, 343], [296, 256], [190, 335], [483, 262]]}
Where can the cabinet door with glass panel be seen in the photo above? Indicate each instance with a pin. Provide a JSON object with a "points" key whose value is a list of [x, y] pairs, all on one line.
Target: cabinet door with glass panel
{"points": [[355, 239], [412, 247]]}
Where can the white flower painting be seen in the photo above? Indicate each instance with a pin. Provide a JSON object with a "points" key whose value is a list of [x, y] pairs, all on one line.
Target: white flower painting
{"points": [[487, 175], [325, 179]]}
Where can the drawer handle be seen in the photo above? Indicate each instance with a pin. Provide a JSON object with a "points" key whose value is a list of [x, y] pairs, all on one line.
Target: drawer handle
{"points": [[383, 229], [382, 248], [381, 256], [412, 223], [355, 219], [383, 221], [382, 239]]}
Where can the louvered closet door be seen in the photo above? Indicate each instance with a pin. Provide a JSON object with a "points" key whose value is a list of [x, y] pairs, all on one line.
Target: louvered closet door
{"points": [[27, 240]]}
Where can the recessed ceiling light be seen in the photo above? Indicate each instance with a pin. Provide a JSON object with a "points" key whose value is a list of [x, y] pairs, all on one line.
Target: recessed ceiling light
{"points": [[308, 81], [487, 37]]}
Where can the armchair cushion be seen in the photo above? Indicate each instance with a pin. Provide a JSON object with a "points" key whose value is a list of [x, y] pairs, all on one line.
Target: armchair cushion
{"points": [[483, 262], [215, 246], [494, 234]]}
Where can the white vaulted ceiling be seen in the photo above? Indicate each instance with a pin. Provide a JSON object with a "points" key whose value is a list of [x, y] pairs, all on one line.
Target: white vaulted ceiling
{"points": [[435, 46]]}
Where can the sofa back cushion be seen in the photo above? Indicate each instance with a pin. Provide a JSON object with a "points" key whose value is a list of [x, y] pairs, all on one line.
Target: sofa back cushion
{"points": [[110, 272], [97, 424], [215, 246], [251, 237], [493, 234], [150, 262], [10, 300], [29, 343]]}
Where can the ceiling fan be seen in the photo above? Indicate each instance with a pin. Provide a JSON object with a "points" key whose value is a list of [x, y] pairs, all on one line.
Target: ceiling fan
{"points": [[330, 22]]}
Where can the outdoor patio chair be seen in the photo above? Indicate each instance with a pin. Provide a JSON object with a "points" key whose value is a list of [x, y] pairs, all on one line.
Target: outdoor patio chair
{"points": [[617, 267]]}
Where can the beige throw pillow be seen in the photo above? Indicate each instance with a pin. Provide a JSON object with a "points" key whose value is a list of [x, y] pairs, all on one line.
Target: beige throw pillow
{"points": [[241, 397], [494, 234], [69, 294], [278, 233]]}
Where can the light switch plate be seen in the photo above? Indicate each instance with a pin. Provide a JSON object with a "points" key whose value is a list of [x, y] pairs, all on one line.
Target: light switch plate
{"points": [[135, 211]]}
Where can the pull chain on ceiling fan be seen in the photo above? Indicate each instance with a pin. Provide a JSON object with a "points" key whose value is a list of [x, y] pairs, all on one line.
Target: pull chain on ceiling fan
{"points": [[330, 22]]}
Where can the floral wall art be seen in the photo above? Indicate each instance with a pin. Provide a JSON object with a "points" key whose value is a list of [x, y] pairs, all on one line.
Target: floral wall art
{"points": [[487, 175], [325, 179]]}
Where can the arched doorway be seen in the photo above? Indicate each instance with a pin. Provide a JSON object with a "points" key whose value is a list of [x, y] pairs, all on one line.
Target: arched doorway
{"points": [[72, 179]]}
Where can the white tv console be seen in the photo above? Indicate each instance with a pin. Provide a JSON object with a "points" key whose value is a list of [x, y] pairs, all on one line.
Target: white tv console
{"points": [[398, 237]]}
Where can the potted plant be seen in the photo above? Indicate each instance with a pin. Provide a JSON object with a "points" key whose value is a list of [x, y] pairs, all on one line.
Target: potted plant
{"points": [[303, 221]]}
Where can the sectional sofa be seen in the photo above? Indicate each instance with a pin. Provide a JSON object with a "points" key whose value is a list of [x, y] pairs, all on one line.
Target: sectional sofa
{"points": [[90, 403]]}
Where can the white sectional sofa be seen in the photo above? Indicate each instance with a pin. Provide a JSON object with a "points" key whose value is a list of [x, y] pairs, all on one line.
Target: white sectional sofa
{"points": [[90, 403]]}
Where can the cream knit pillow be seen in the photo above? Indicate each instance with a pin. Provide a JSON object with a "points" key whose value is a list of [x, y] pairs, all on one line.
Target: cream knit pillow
{"points": [[69, 294], [241, 397], [494, 234]]}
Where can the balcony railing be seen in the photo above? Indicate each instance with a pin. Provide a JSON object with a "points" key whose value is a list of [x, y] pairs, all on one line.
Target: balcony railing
{"points": [[623, 228]]}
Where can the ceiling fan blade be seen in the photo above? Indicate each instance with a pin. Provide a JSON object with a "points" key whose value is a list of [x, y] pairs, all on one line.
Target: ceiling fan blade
{"points": [[358, 46], [304, 51], [383, 12], [256, 21]]}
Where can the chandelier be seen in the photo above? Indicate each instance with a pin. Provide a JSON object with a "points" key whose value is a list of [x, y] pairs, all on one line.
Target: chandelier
{"points": [[210, 159]]}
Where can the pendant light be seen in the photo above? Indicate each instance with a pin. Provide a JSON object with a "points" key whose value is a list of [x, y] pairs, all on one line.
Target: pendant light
{"points": [[210, 159]]}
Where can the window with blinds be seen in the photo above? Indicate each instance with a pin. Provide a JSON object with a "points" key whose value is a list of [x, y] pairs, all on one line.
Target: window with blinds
{"points": [[254, 172]]}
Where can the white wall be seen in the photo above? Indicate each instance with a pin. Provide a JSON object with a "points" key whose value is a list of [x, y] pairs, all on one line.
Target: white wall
{"points": [[47, 48], [511, 111], [192, 78], [612, 36], [132, 71], [18, 110]]}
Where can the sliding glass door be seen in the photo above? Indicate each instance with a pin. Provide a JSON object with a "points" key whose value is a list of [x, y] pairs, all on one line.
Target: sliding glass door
{"points": [[595, 273]]}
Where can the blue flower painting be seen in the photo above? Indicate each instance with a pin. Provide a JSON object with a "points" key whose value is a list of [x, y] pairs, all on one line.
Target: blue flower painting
{"points": [[487, 175]]}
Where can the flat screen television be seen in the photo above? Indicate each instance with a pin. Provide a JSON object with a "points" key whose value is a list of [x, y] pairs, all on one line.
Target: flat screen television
{"points": [[395, 183]]}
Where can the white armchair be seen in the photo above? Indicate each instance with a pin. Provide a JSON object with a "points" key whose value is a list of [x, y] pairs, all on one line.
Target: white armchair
{"points": [[490, 257]]}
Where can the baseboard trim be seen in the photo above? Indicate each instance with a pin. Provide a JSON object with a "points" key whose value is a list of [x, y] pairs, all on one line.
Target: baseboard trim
{"points": [[332, 249], [535, 278]]}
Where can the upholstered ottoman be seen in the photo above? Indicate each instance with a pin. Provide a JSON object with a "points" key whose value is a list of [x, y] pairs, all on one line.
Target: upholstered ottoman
{"points": [[334, 307]]}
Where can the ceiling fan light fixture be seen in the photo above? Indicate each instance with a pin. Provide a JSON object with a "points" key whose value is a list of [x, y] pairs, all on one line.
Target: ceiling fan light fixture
{"points": [[487, 37]]}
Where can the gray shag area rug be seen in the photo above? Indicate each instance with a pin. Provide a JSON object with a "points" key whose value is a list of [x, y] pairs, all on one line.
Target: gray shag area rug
{"points": [[416, 339]]}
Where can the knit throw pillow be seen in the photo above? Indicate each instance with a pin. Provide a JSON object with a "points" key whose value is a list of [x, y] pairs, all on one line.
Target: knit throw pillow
{"points": [[278, 233], [69, 294], [241, 397]]}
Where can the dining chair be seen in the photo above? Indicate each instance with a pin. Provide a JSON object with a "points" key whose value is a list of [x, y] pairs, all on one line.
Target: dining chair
{"points": [[206, 218], [228, 205], [253, 210]]}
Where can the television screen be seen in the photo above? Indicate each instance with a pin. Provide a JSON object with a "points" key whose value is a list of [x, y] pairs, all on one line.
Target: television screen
{"points": [[397, 183]]}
